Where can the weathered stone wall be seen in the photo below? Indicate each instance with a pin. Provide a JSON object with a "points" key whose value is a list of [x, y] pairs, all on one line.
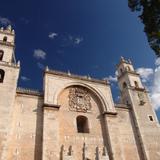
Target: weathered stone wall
{"points": [[63, 135], [8, 92], [123, 136], [25, 141], [148, 129]]}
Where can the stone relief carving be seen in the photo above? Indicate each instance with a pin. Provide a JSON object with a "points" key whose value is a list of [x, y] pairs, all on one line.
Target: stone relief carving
{"points": [[141, 98], [79, 100]]}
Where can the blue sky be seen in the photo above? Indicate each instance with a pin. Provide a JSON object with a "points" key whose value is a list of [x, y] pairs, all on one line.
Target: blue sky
{"points": [[86, 37]]}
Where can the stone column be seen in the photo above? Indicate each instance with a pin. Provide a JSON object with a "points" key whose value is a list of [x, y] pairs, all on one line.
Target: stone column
{"points": [[109, 135], [51, 148]]}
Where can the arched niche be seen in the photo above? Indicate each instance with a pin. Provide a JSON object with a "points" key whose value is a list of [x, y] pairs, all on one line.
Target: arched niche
{"points": [[95, 92]]}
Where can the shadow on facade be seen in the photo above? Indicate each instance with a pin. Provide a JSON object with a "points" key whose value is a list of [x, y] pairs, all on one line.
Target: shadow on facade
{"points": [[136, 135], [39, 131]]}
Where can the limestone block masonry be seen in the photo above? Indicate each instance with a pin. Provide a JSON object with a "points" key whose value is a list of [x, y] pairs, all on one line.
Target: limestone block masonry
{"points": [[74, 118]]}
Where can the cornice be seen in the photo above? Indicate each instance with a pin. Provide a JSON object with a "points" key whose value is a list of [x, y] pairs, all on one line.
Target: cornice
{"points": [[27, 91], [9, 64], [85, 78], [122, 106], [7, 43], [7, 32], [129, 72], [110, 113], [51, 106]]}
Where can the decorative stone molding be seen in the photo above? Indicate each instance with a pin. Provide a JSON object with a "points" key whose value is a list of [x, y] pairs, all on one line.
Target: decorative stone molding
{"points": [[9, 64], [7, 43], [129, 72]]}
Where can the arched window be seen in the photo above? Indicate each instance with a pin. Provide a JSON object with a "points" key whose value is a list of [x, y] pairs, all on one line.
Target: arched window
{"points": [[1, 75], [82, 124], [5, 39], [124, 85], [136, 84], [1, 54]]}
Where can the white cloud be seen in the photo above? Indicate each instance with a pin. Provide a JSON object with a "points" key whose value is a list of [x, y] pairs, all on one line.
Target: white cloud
{"points": [[40, 65], [4, 21], [157, 61], [111, 78], [39, 54], [70, 40], [155, 89], [153, 77], [52, 35], [24, 78], [145, 73], [78, 40], [24, 20]]}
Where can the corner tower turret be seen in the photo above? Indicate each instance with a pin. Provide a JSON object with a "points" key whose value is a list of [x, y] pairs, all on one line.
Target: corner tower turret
{"points": [[136, 97], [7, 45], [127, 78], [9, 73]]}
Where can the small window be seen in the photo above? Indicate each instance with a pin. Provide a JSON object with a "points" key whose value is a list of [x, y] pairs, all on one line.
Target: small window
{"points": [[136, 84], [82, 124], [124, 85], [1, 75], [150, 118], [5, 39], [1, 54]]}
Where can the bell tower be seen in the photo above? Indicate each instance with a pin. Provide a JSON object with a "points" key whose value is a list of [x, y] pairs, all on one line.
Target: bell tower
{"points": [[127, 78], [7, 38], [135, 96], [9, 73]]}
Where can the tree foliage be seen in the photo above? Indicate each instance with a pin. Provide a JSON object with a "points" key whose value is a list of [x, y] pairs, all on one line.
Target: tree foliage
{"points": [[150, 17]]}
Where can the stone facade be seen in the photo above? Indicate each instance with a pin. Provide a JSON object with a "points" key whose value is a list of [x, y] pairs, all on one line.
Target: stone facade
{"points": [[74, 118]]}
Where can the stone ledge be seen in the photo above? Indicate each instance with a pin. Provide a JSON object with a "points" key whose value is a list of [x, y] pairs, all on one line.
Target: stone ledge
{"points": [[129, 72], [7, 43], [121, 105], [51, 106], [139, 89], [29, 91], [7, 32], [3, 63], [110, 113]]}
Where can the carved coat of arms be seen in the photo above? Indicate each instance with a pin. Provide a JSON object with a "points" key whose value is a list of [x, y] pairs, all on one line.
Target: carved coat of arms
{"points": [[79, 100]]}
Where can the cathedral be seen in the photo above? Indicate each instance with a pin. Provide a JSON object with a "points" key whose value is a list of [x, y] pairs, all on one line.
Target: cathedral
{"points": [[75, 117]]}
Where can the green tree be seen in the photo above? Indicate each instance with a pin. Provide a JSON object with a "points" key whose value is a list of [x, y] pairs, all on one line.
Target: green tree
{"points": [[150, 16]]}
